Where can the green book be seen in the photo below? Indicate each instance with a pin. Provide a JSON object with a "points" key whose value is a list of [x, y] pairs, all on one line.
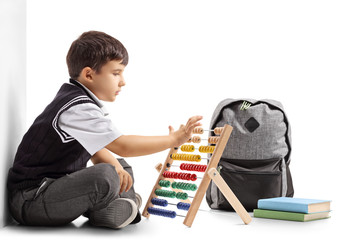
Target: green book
{"points": [[291, 216]]}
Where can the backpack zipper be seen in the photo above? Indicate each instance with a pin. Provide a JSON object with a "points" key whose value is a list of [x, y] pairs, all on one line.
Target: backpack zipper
{"points": [[220, 167]]}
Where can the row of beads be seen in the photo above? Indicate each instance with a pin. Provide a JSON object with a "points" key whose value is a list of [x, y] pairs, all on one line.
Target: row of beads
{"points": [[184, 186], [200, 130], [171, 194], [178, 185], [183, 176], [164, 183], [186, 157], [161, 212], [164, 203], [165, 193], [193, 167], [197, 139], [202, 149]]}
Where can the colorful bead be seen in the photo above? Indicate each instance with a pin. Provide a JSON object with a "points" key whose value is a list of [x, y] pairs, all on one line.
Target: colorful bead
{"points": [[161, 212], [186, 157], [183, 206], [182, 195], [183, 176], [165, 193], [164, 183], [193, 167], [159, 202], [184, 186]]}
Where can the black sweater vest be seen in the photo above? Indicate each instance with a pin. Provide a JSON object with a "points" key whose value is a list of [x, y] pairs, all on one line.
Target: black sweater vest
{"points": [[46, 150]]}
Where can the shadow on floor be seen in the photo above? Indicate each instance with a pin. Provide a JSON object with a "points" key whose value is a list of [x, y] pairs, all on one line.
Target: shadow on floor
{"points": [[79, 226]]}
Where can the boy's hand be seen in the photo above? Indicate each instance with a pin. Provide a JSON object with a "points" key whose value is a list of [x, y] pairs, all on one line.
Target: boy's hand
{"points": [[126, 180], [184, 133]]}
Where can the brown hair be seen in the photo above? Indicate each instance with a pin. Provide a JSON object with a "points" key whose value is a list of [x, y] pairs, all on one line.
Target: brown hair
{"points": [[94, 49]]}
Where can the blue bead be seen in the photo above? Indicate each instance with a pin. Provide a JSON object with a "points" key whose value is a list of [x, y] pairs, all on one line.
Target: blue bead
{"points": [[161, 212], [159, 202], [183, 206]]}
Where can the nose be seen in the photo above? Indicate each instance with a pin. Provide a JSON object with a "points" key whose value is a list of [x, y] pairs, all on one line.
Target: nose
{"points": [[122, 82]]}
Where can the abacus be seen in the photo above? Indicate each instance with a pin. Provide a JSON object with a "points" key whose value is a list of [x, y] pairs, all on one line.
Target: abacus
{"points": [[166, 178]]}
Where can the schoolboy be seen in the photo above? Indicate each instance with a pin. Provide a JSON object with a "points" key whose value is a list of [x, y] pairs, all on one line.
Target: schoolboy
{"points": [[49, 183]]}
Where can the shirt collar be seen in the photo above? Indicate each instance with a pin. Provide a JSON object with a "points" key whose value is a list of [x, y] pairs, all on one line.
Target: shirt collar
{"points": [[93, 97]]}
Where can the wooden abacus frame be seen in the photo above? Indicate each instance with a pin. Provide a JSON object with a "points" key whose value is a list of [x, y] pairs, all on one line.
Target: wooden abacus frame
{"points": [[210, 174]]}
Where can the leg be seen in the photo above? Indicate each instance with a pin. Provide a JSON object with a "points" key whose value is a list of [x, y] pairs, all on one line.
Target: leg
{"points": [[60, 201], [122, 211], [131, 193]]}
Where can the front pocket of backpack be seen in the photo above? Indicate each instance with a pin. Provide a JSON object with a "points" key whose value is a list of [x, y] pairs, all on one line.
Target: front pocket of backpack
{"points": [[251, 180]]}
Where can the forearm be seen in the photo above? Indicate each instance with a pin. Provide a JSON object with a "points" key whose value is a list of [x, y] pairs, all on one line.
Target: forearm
{"points": [[132, 146], [104, 156]]}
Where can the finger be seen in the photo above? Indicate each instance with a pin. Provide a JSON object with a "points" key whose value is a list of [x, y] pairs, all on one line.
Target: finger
{"points": [[192, 127], [121, 177], [123, 185], [193, 120], [130, 183], [171, 129]]}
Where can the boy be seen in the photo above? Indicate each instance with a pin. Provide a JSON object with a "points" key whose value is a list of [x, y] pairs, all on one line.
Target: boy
{"points": [[49, 183]]}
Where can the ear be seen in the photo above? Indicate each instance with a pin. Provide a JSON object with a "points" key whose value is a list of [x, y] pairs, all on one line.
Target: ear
{"points": [[86, 74]]}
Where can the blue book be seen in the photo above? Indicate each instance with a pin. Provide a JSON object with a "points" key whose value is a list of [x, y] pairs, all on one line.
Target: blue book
{"points": [[300, 205]]}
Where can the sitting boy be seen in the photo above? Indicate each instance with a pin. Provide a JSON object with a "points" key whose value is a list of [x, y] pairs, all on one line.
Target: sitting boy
{"points": [[49, 183]]}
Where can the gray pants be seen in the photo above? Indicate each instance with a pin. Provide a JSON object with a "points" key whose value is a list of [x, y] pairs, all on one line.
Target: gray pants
{"points": [[60, 201]]}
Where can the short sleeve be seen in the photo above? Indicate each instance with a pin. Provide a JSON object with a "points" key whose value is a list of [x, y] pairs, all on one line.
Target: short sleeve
{"points": [[87, 124]]}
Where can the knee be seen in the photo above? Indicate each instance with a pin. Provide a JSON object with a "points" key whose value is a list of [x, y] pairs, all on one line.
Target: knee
{"points": [[106, 178]]}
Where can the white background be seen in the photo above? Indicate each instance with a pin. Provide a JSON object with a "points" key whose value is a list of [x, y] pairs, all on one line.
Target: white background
{"points": [[186, 56], [12, 90]]}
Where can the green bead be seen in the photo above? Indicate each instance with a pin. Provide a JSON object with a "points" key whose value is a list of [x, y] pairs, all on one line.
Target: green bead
{"points": [[164, 183], [167, 184], [181, 195], [165, 193]]}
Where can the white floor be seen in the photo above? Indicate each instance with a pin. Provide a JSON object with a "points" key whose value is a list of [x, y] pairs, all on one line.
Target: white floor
{"points": [[208, 224]]}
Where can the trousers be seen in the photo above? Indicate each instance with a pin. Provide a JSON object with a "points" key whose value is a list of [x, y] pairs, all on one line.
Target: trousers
{"points": [[60, 201]]}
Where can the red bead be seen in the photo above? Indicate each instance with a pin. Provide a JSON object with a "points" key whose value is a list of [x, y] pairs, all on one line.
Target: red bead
{"points": [[193, 177]]}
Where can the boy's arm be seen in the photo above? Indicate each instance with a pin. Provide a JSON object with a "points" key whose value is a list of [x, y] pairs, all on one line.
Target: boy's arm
{"points": [[132, 146], [104, 156]]}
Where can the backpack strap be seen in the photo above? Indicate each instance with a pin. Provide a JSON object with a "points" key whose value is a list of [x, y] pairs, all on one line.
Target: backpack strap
{"points": [[280, 107]]}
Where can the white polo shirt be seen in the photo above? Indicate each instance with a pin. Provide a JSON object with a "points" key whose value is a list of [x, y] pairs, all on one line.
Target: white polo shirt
{"points": [[88, 124]]}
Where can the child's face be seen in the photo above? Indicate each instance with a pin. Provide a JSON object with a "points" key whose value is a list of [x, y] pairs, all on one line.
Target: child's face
{"points": [[107, 83]]}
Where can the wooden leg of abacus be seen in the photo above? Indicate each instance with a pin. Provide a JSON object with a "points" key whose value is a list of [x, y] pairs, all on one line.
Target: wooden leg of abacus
{"points": [[215, 158], [229, 195]]}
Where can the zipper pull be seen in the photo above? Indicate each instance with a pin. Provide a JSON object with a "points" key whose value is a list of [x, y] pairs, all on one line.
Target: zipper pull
{"points": [[245, 105]]}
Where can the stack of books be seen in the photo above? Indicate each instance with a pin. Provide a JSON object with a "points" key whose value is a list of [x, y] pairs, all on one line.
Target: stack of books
{"points": [[293, 209]]}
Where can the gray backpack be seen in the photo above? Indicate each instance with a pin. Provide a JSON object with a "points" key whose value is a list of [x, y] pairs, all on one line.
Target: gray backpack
{"points": [[255, 162]]}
